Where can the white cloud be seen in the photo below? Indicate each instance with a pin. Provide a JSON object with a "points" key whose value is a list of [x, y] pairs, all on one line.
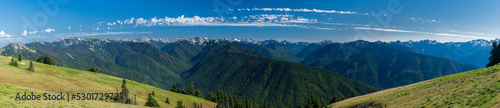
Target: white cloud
{"points": [[82, 34], [280, 19], [129, 21], [418, 32], [386, 30], [3, 34], [252, 20], [33, 32], [49, 30], [69, 28], [25, 33], [422, 20], [303, 10]]}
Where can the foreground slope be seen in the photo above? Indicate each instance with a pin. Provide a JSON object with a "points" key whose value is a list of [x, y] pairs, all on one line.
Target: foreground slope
{"points": [[477, 88], [383, 66], [53, 79], [248, 74], [140, 61]]}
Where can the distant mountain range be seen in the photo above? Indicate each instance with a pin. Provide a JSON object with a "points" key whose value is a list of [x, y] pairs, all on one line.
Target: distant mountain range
{"points": [[266, 71], [383, 66], [458, 51]]}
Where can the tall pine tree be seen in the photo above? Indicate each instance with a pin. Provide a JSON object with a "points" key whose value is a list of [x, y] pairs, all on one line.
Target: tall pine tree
{"points": [[175, 89], [20, 57], [314, 102], [31, 68], [190, 89], [13, 62], [152, 101], [167, 101], [198, 93], [211, 97], [495, 55], [180, 105]]}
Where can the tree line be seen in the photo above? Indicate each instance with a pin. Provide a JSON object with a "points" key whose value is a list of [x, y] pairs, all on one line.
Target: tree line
{"points": [[227, 100], [495, 55], [13, 62]]}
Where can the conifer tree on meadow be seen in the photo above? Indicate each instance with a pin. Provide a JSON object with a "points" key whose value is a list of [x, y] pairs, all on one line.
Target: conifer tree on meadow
{"points": [[495, 55]]}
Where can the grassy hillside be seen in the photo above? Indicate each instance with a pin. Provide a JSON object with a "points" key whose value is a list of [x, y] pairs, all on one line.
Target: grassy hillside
{"points": [[248, 74], [53, 79], [141, 61], [477, 88], [383, 66]]}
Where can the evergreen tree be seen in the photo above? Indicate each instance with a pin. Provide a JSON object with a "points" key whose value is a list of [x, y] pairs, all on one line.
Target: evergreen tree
{"points": [[20, 57], [182, 91], [495, 55], [225, 100], [123, 96], [314, 102], [198, 93], [31, 68], [13, 62], [46, 60], [167, 101], [190, 89], [248, 104], [333, 100], [175, 89], [180, 105], [152, 101], [196, 105], [211, 97], [94, 69], [131, 79]]}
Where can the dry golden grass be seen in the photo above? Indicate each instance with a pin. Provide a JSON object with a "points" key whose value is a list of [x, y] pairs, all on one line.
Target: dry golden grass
{"points": [[55, 79], [477, 88]]}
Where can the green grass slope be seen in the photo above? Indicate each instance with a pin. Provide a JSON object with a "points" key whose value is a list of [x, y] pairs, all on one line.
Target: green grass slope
{"points": [[477, 88], [383, 66], [53, 79], [246, 73], [141, 61]]}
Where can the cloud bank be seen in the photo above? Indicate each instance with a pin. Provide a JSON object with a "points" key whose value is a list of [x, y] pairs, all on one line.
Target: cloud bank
{"points": [[3, 34], [419, 32], [251, 20], [302, 10]]}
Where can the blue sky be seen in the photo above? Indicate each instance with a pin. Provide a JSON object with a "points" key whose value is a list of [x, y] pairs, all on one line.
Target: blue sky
{"points": [[293, 20]]}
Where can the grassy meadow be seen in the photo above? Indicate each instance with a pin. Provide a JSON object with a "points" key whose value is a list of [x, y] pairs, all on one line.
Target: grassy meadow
{"points": [[476, 88], [53, 79]]}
